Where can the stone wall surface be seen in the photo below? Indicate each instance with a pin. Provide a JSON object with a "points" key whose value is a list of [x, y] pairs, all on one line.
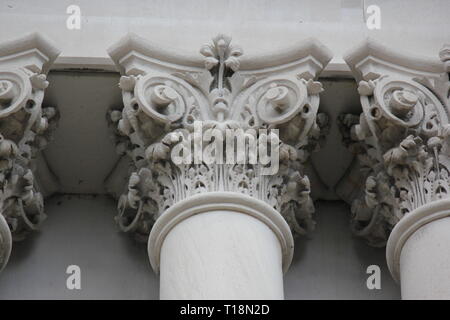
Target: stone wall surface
{"points": [[407, 25], [80, 230]]}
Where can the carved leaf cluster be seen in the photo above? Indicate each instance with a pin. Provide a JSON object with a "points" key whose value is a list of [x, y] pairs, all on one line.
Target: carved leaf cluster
{"points": [[24, 130], [402, 146], [159, 113]]}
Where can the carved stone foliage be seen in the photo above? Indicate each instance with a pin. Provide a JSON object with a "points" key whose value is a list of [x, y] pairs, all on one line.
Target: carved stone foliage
{"points": [[401, 141], [160, 113], [24, 130]]}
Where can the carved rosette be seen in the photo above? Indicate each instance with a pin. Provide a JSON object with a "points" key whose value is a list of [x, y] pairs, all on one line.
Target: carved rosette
{"points": [[162, 109], [25, 128], [401, 142]]}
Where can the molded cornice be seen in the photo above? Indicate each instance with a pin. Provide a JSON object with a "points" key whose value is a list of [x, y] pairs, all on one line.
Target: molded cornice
{"points": [[133, 54], [371, 59], [33, 51]]}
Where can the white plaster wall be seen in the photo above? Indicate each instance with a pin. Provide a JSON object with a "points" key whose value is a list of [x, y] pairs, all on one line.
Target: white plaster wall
{"points": [[81, 230], [415, 26], [333, 263]]}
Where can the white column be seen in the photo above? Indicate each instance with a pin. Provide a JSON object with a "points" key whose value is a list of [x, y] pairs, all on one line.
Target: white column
{"points": [[5, 242], [221, 246], [418, 252], [217, 229]]}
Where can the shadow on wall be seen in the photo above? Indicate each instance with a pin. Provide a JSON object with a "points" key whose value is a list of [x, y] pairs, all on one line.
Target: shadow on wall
{"points": [[80, 230], [332, 264]]}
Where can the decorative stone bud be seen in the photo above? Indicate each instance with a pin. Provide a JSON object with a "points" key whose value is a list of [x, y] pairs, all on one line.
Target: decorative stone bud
{"points": [[278, 97], [402, 102], [162, 96]]}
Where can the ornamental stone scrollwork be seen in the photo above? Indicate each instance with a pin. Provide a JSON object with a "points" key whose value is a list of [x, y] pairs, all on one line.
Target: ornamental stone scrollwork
{"points": [[400, 140], [171, 105], [25, 128]]}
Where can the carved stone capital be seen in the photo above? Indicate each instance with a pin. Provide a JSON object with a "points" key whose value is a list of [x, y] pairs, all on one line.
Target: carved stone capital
{"points": [[24, 130], [274, 98], [401, 139]]}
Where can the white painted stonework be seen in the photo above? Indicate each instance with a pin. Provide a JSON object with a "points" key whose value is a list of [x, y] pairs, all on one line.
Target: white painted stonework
{"points": [[164, 96], [402, 147], [92, 119], [5, 242], [25, 127], [221, 246], [418, 252]]}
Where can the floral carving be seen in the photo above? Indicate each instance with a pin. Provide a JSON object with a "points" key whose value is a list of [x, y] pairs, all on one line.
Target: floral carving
{"points": [[159, 116], [24, 130], [402, 147]]}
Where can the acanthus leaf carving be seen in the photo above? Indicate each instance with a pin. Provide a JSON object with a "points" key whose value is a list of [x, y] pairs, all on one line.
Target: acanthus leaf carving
{"points": [[159, 119], [25, 129], [401, 145]]}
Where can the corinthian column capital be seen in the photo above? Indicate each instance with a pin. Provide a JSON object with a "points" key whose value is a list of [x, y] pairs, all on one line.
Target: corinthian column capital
{"points": [[24, 131], [167, 96], [401, 142]]}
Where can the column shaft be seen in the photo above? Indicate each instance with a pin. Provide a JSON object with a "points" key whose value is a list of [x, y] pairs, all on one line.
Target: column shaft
{"points": [[221, 255], [425, 262], [221, 245]]}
